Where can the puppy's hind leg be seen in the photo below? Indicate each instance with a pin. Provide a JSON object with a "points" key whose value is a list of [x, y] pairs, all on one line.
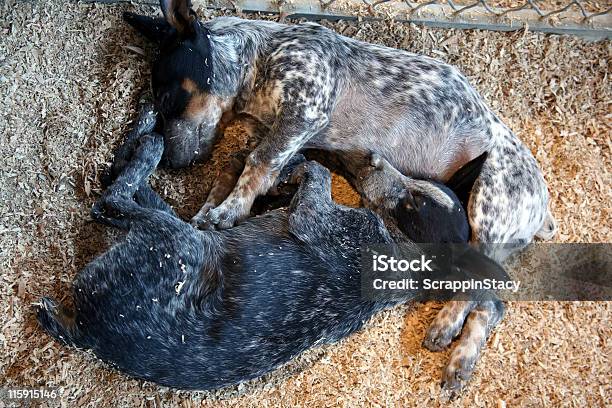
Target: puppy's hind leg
{"points": [[145, 123], [146, 197], [140, 167], [311, 201], [135, 173]]}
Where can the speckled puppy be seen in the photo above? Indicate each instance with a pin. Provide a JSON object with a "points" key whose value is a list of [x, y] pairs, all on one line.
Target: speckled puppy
{"points": [[312, 88]]}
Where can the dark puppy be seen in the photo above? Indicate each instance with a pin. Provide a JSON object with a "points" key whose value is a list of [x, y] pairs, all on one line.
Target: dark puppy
{"points": [[206, 309]]}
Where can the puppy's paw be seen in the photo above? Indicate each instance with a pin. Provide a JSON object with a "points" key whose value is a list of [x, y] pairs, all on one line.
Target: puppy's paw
{"points": [[222, 217], [446, 325], [147, 119], [106, 208], [98, 211], [200, 221], [287, 171], [459, 369], [439, 336]]}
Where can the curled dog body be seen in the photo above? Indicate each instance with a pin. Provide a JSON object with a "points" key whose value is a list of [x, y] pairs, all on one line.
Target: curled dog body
{"points": [[312, 88], [205, 309]]}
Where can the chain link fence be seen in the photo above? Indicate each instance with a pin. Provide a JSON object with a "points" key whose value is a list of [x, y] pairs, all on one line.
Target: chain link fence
{"points": [[459, 8], [591, 19]]}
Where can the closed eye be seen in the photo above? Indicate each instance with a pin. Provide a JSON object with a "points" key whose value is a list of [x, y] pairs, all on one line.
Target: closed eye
{"points": [[164, 101], [415, 203], [419, 202]]}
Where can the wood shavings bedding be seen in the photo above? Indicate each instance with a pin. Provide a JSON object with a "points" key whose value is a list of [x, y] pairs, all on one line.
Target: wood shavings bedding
{"points": [[70, 78]]}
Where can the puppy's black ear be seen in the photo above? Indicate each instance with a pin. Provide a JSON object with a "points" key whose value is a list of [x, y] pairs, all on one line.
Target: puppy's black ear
{"points": [[180, 15], [154, 29], [477, 265], [463, 180]]}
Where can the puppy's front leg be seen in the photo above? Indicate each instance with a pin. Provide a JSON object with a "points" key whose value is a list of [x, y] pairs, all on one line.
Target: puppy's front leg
{"points": [[134, 173], [300, 101], [222, 187], [228, 177], [145, 124], [262, 167]]}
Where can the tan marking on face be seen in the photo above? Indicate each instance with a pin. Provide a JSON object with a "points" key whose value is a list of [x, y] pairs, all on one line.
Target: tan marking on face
{"points": [[206, 107], [203, 106], [190, 86]]}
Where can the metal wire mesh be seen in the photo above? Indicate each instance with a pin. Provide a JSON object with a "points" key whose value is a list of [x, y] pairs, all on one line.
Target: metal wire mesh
{"points": [[495, 11], [588, 18]]}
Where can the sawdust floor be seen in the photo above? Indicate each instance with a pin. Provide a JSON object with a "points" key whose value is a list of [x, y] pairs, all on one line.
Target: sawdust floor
{"points": [[69, 86]]}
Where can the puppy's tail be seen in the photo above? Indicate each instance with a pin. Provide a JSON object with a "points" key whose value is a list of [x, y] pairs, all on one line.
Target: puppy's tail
{"points": [[549, 227], [58, 321]]}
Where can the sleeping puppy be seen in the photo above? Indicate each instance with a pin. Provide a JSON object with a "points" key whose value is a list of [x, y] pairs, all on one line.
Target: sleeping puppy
{"points": [[206, 309]]}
